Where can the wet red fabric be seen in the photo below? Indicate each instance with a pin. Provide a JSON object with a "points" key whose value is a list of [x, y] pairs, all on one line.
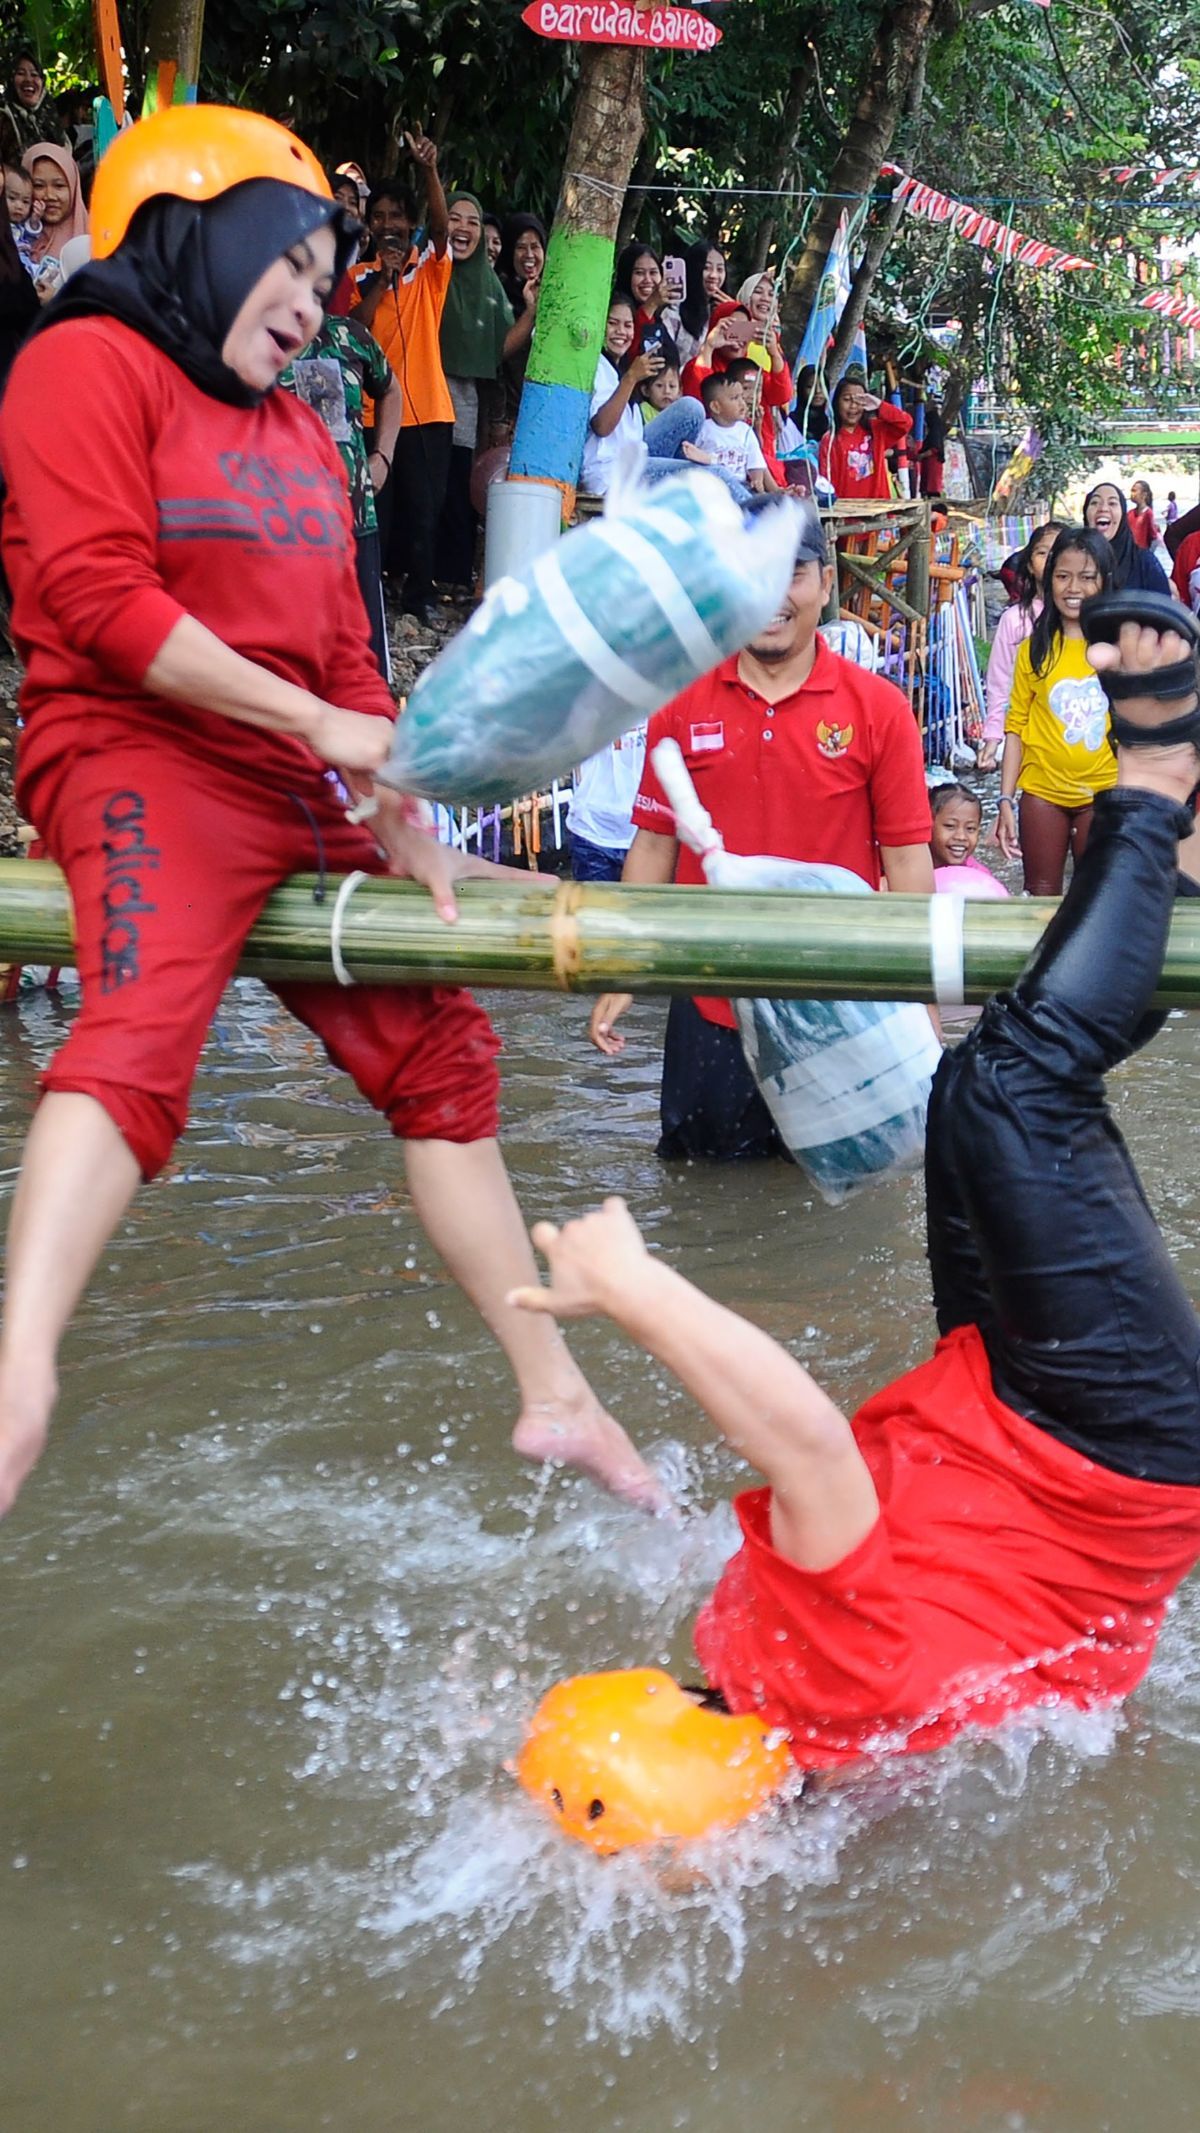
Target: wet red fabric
{"points": [[1004, 1570], [169, 863], [134, 498]]}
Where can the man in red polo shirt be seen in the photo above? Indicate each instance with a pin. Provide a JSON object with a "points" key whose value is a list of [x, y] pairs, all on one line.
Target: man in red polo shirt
{"points": [[795, 753]]}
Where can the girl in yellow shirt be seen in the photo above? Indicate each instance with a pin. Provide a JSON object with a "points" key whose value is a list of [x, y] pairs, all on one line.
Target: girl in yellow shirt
{"points": [[1056, 750]]}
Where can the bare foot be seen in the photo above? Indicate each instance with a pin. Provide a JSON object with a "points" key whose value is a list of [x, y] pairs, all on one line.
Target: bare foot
{"points": [[24, 1422], [693, 452], [580, 1433]]}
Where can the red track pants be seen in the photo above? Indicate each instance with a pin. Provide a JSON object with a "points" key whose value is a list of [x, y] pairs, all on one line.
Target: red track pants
{"points": [[170, 860]]}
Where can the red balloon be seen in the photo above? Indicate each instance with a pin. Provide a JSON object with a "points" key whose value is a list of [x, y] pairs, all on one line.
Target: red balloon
{"points": [[489, 467]]}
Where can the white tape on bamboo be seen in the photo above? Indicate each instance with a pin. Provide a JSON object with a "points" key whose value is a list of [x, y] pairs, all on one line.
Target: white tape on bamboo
{"points": [[946, 950], [341, 904]]}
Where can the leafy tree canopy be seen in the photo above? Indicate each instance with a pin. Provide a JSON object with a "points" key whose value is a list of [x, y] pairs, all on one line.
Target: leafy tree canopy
{"points": [[1028, 107]]}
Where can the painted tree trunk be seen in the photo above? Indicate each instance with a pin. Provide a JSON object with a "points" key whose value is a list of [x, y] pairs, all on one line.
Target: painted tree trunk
{"points": [[553, 416], [173, 32], [904, 31]]}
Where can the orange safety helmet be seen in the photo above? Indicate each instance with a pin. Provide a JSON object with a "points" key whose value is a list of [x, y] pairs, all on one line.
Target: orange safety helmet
{"points": [[630, 1758], [193, 152]]}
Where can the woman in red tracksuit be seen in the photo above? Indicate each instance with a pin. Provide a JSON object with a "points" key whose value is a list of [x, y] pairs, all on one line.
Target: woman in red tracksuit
{"points": [[179, 542], [853, 454]]}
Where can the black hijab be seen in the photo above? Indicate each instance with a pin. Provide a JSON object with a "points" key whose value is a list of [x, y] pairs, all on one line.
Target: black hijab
{"points": [[1121, 542], [1136, 570], [184, 269], [513, 284]]}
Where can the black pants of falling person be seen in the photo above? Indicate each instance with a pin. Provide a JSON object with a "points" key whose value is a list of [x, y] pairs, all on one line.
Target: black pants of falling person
{"points": [[1039, 1230]]}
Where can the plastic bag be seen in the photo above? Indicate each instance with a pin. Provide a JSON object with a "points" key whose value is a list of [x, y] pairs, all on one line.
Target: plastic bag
{"points": [[592, 637], [846, 1081]]}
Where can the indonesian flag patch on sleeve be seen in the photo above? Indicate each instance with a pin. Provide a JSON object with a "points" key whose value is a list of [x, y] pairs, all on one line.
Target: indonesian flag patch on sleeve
{"points": [[708, 738]]}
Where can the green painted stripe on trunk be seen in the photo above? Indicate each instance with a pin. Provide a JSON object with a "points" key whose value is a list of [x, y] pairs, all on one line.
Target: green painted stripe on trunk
{"points": [[572, 309]]}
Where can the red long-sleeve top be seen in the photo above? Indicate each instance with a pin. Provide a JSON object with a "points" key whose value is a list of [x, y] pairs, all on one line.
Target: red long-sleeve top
{"points": [[855, 461], [133, 499], [1004, 1570], [778, 386]]}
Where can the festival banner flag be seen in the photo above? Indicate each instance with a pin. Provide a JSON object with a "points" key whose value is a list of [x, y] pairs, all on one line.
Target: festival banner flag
{"points": [[984, 230]]}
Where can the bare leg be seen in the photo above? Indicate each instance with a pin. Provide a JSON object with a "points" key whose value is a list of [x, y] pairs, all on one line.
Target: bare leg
{"points": [[763, 1402], [77, 1178], [463, 1197]]}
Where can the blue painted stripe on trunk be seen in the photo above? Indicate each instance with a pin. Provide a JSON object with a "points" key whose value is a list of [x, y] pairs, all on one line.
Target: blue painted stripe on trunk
{"points": [[551, 428]]}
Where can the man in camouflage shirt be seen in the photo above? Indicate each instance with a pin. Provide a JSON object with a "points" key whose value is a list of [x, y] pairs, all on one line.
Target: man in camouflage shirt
{"points": [[337, 373]]}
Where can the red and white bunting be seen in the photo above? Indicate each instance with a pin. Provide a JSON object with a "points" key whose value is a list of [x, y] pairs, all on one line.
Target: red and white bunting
{"points": [[1174, 304], [1124, 174], [977, 228]]}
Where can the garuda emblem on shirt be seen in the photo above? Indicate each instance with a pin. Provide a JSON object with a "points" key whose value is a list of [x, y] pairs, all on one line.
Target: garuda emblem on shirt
{"points": [[833, 740]]}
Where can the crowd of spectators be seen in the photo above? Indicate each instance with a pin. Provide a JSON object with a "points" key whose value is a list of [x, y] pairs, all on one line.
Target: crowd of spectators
{"points": [[419, 368]]}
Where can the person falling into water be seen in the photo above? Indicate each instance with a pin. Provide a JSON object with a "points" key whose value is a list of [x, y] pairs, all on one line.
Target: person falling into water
{"points": [[1004, 1525]]}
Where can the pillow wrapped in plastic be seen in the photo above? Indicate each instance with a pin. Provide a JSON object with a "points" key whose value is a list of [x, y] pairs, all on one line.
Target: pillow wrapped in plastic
{"points": [[590, 638], [846, 1081]]}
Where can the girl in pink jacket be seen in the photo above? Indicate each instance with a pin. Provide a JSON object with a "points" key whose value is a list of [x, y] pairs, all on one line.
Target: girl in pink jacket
{"points": [[1012, 629]]}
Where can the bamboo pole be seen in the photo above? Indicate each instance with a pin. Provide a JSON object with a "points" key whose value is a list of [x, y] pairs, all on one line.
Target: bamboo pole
{"points": [[542, 934]]}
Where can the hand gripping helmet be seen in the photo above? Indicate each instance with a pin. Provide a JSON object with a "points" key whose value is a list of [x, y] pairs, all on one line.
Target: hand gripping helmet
{"points": [[631, 1758], [193, 152]]}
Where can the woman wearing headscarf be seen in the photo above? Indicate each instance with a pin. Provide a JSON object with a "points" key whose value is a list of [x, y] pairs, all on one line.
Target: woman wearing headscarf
{"points": [[27, 114], [58, 206], [519, 266], [478, 332], [704, 272], [1134, 569], [775, 389], [179, 542]]}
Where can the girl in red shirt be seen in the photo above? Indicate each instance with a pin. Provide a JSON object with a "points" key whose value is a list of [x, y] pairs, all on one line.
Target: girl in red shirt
{"points": [[179, 542], [1004, 1526], [1142, 522], [852, 456]]}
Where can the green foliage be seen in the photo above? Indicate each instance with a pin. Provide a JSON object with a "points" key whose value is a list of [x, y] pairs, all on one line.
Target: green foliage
{"points": [[353, 75], [1057, 100]]}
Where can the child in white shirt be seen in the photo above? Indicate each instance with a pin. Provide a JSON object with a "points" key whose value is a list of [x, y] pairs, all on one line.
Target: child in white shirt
{"points": [[726, 437]]}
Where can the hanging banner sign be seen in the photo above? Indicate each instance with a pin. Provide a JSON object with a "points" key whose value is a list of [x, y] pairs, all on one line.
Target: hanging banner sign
{"points": [[974, 227], [662, 29]]}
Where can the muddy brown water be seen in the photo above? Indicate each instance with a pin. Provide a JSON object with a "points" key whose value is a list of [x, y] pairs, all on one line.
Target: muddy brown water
{"points": [[279, 1596]]}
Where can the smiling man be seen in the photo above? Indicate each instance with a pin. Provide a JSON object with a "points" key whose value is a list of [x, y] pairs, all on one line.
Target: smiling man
{"points": [[797, 753], [402, 298]]}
